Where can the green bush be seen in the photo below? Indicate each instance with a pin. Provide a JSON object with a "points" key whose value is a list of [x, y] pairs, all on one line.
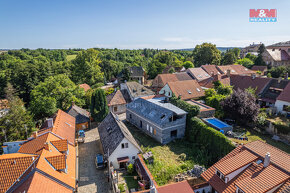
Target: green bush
{"points": [[282, 129], [130, 169], [192, 110], [121, 187]]}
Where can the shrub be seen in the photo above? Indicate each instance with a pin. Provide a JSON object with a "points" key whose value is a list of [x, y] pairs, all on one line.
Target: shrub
{"points": [[281, 128], [130, 169], [192, 110], [121, 187]]}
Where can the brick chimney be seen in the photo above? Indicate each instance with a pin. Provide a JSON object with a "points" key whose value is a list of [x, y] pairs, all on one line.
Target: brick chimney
{"points": [[267, 159], [228, 72]]}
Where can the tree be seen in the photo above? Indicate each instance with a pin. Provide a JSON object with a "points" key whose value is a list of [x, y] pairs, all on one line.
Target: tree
{"points": [[279, 71], [246, 62], [241, 105], [18, 123], [171, 70], [259, 60], [188, 64], [56, 92], [229, 58], [251, 57], [236, 51], [86, 68], [206, 53], [99, 107]]}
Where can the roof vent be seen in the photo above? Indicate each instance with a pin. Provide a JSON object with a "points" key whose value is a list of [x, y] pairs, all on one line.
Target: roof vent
{"points": [[198, 89], [267, 159], [189, 92]]}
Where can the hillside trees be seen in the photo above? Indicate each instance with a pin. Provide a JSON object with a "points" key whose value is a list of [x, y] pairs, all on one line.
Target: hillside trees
{"points": [[56, 92], [259, 60]]}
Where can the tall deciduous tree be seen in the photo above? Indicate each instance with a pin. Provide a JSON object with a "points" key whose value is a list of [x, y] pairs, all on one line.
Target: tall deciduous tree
{"points": [[206, 53], [229, 58], [241, 105], [99, 107], [259, 60]]}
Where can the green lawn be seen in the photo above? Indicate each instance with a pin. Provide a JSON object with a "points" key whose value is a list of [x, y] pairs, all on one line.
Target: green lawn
{"points": [[131, 183], [253, 136], [170, 159], [71, 57]]}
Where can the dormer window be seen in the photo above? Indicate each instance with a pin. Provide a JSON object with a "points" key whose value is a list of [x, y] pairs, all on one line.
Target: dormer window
{"points": [[239, 190], [220, 175]]}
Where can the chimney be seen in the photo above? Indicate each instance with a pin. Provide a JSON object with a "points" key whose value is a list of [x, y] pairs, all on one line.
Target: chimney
{"points": [[34, 134], [267, 159], [253, 76], [228, 72], [279, 79], [286, 76], [50, 123]]}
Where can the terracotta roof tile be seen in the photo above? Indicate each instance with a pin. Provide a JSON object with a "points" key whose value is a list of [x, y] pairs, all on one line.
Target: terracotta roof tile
{"points": [[162, 79], [198, 73], [208, 83], [60, 145], [86, 87], [236, 162], [116, 98], [34, 146], [188, 89], [259, 68], [182, 186], [12, 166], [58, 161], [211, 69], [285, 94], [235, 69]]}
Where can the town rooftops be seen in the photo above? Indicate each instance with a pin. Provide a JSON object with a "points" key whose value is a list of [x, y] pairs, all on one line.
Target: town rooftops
{"points": [[274, 89], [112, 131], [259, 68], [244, 82], [208, 83], [116, 98], [188, 89], [86, 87], [235, 69], [162, 79], [137, 90], [80, 114], [280, 44], [198, 73], [244, 168], [211, 69], [285, 94], [278, 55]]}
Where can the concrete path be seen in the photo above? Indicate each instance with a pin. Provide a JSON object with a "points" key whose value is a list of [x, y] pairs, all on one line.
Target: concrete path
{"points": [[90, 179]]}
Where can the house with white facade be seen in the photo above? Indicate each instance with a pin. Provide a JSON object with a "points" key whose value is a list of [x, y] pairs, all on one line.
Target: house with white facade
{"points": [[119, 146], [116, 102], [283, 101]]}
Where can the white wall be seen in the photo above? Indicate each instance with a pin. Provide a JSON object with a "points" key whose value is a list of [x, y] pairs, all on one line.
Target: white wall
{"points": [[119, 152], [230, 176], [279, 105], [166, 91], [120, 109], [12, 147]]}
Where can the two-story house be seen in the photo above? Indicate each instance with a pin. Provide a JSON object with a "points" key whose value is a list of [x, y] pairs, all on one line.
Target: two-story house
{"points": [[157, 118]]}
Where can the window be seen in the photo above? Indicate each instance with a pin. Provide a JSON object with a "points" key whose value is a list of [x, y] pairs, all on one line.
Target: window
{"points": [[130, 116], [141, 124], [173, 133], [133, 157], [218, 173], [147, 127], [154, 131], [162, 116], [115, 109], [286, 108], [151, 130], [124, 145]]}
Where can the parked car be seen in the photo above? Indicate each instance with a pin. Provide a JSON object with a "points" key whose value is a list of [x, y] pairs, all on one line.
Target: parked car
{"points": [[100, 162], [81, 136]]}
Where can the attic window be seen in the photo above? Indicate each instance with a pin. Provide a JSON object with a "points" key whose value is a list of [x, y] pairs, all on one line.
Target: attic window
{"points": [[259, 161], [162, 116], [198, 89], [189, 92], [109, 130]]}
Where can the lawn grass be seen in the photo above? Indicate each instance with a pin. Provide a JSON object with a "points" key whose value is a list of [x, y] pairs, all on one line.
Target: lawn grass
{"points": [[71, 57], [130, 181], [170, 159], [253, 136]]}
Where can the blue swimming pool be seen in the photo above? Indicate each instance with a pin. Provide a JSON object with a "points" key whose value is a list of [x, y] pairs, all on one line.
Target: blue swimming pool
{"points": [[217, 123]]}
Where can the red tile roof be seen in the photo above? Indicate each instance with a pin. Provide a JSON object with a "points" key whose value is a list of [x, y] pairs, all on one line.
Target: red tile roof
{"points": [[58, 161], [255, 178], [259, 68], [179, 187], [86, 87], [211, 69], [188, 89], [34, 146], [208, 83], [235, 69], [244, 82], [60, 145], [285, 94], [12, 167], [198, 73]]}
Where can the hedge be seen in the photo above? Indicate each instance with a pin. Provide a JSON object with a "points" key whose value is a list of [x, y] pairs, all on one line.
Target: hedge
{"points": [[192, 110], [282, 129]]}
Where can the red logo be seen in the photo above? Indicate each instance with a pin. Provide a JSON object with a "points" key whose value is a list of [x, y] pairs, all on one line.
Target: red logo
{"points": [[263, 13]]}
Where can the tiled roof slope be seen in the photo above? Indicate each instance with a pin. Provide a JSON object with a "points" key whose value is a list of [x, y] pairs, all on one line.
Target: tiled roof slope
{"points": [[34, 146], [235, 69], [208, 83], [280, 44], [86, 87], [259, 68], [112, 131], [244, 82], [255, 178], [278, 55], [37, 182], [60, 145], [211, 69], [188, 89], [285, 94], [81, 115], [182, 186], [138, 90], [162, 79], [137, 71], [116, 98], [57, 161], [12, 167], [198, 73]]}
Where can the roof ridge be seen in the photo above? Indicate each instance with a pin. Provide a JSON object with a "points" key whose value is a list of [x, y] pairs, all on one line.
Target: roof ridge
{"points": [[269, 145]]}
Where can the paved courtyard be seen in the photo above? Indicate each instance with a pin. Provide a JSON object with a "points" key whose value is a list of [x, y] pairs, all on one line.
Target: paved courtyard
{"points": [[91, 179]]}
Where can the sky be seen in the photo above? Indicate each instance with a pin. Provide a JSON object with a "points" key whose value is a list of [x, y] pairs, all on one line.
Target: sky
{"points": [[134, 24]]}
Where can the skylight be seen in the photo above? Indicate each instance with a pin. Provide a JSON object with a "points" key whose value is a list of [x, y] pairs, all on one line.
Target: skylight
{"points": [[189, 92], [198, 89]]}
